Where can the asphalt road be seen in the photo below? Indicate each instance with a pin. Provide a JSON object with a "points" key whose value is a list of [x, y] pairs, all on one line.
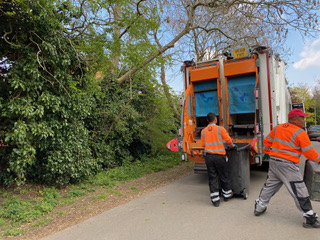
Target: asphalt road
{"points": [[182, 210]]}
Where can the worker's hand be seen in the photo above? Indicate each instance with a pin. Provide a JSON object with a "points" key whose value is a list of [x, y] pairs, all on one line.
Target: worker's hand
{"points": [[265, 157], [233, 146]]}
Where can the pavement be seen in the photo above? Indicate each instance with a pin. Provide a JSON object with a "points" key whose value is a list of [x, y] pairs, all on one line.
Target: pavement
{"points": [[182, 210]]}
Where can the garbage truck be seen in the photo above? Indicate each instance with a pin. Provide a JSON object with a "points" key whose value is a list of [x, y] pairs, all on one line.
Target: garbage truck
{"points": [[246, 89]]}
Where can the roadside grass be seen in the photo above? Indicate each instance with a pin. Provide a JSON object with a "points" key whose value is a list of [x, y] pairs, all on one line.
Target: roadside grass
{"points": [[29, 205]]}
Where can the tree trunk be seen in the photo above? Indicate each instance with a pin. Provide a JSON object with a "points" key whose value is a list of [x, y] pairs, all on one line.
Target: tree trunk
{"points": [[116, 39], [166, 90]]}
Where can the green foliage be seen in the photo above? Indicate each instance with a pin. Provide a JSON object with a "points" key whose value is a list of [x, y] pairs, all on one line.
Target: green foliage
{"points": [[102, 196], [115, 125], [74, 193], [50, 199], [49, 194], [45, 207], [310, 98], [109, 178], [130, 121], [69, 201], [14, 232], [114, 192], [316, 104], [18, 211], [61, 124], [42, 223], [163, 117], [126, 173], [301, 94], [43, 100], [2, 222]]}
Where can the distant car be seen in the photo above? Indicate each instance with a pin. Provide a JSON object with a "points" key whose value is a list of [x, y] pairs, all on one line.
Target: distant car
{"points": [[314, 132], [318, 139]]}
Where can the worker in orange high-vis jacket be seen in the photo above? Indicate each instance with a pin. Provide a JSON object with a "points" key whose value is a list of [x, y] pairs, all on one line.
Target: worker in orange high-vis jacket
{"points": [[284, 146], [212, 139]]}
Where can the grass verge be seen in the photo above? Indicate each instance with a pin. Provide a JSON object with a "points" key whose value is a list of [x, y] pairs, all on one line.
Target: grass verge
{"points": [[30, 205]]}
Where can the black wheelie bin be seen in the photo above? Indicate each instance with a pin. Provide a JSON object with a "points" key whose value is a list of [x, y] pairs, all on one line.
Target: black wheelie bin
{"points": [[239, 167], [312, 179]]}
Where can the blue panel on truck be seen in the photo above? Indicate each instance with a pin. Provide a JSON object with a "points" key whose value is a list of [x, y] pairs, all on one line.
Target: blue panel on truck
{"points": [[241, 94], [207, 99]]}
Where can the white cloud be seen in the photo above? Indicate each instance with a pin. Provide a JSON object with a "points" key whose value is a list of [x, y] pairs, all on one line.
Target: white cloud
{"points": [[310, 56]]}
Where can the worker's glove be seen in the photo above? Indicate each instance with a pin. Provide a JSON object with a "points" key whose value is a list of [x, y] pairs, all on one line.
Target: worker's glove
{"points": [[265, 157], [233, 146]]}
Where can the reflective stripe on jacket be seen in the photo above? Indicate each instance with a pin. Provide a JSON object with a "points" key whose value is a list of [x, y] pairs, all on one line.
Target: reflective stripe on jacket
{"points": [[288, 141], [212, 138]]}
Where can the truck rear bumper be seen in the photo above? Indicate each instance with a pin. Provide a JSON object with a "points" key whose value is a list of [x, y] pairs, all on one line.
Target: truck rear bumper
{"points": [[200, 167]]}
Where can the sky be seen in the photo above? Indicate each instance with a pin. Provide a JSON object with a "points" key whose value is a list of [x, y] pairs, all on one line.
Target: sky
{"points": [[303, 64]]}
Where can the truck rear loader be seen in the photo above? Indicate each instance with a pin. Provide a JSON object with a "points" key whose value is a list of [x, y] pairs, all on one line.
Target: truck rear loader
{"points": [[248, 92]]}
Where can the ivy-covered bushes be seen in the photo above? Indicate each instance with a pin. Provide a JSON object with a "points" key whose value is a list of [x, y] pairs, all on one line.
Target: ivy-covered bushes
{"points": [[43, 101], [59, 123], [130, 122], [115, 124]]}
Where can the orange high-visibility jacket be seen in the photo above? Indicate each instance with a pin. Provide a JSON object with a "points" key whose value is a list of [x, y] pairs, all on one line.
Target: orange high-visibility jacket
{"points": [[288, 141], [212, 138]]}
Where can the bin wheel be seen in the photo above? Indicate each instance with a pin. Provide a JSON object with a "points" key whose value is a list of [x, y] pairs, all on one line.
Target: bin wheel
{"points": [[245, 194]]}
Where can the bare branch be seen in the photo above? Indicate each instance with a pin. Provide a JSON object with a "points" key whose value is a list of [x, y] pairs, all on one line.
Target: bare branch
{"points": [[43, 65], [5, 37]]}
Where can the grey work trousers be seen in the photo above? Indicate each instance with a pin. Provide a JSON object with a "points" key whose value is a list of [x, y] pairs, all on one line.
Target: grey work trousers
{"points": [[217, 167], [287, 173]]}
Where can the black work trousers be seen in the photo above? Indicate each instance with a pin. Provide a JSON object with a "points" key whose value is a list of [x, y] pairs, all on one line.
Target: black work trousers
{"points": [[218, 169]]}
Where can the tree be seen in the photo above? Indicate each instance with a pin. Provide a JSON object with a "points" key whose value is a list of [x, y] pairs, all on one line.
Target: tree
{"points": [[316, 103], [43, 96], [60, 123], [122, 31], [277, 16], [126, 28], [302, 94]]}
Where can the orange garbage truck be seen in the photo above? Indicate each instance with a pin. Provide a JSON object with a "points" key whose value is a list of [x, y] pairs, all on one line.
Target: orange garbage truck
{"points": [[248, 92]]}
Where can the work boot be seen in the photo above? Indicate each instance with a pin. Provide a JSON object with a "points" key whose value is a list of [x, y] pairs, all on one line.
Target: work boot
{"points": [[256, 212], [311, 221], [226, 199], [315, 224], [215, 199], [216, 203]]}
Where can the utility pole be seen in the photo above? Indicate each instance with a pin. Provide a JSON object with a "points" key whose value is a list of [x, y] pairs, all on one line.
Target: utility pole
{"points": [[315, 106], [315, 112]]}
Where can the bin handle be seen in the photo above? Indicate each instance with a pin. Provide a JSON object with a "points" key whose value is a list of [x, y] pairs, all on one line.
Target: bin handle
{"points": [[244, 147]]}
